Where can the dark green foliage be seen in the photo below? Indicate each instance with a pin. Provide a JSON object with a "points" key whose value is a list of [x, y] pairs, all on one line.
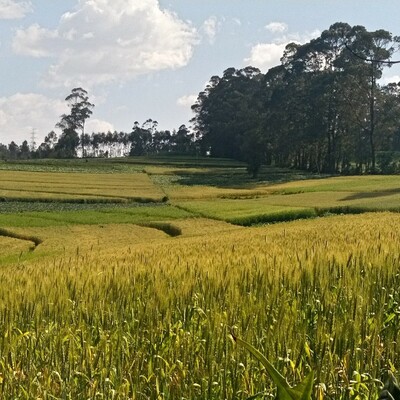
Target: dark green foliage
{"points": [[321, 110], [67, 144], [391, 390], [81, 110]]}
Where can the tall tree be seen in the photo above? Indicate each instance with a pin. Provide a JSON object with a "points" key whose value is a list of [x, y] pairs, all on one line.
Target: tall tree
{"points": [[81, 110], [372, 51], [141, 138], [222, 116]]}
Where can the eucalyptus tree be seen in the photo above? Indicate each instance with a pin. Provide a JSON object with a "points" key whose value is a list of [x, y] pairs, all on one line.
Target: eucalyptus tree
{"points": [[81, 110], [161, 141], [368, 53], [182, 141], [330, 96], [388, 128], [226, 114], [140, 138]]}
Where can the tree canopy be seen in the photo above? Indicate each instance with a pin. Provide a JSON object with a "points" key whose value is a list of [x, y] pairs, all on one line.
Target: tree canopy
{"points": [[321, 109]]}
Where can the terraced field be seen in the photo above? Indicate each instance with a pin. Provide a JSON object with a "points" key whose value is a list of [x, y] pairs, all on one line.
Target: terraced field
{"points": [[105, 297], [69, 187]]}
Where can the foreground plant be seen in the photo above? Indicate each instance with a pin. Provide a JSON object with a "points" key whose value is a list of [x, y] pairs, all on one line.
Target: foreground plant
{"points": [[391, 390], [302, 391]]}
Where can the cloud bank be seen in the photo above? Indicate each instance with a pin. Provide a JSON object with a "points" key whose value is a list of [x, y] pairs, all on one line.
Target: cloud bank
{"points": [[12, 9], [109, 41], [267, 55], [23, 112], [187, 101]]}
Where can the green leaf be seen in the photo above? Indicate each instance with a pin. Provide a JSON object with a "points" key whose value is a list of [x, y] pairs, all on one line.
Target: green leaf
{"points": [[304, 389], [256, 396], [285, 392]]}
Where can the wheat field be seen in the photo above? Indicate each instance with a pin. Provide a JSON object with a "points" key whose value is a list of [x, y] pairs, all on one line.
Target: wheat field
{"points": [[151, 320]]}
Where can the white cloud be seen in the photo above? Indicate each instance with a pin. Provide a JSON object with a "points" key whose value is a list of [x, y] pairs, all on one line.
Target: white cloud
{"points": [[23, 112], [107, 41], [210, 27], [268, 55], [276, 27], [12, 9], [265, 55], [187, 101], [98, 125], [390, 79], [25, 41]]}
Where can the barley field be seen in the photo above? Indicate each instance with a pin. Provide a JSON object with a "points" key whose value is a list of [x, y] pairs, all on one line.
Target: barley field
{"points": [[138, 301]]}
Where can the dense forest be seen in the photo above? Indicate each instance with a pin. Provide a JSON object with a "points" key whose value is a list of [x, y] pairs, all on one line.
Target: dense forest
{"points": [[322, 109]]}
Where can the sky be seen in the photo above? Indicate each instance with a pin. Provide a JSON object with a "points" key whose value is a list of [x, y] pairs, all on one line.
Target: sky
{"points": [[149, 59]]}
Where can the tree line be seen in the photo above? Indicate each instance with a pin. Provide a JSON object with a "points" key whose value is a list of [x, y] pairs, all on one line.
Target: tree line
{"points": [[144, 138], [322, 109]]}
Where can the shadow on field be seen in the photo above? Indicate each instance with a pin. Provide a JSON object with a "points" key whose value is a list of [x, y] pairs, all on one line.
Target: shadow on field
{"points": [[166, 227], [371, 195], [238, 178], [34, 239]]}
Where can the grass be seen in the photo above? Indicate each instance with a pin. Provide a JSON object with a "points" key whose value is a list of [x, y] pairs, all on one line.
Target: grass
{"points": [[125, 164], [246, 212], [126, 215]]}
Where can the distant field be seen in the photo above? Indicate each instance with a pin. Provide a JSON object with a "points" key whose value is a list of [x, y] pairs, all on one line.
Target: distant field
{"points": [[124, 164], [92, 217], [23, 185], [224, 192], [245, 212], [357, 184]]}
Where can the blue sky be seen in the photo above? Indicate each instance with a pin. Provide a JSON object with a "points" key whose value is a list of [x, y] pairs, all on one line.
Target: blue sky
{"points": [[141, 59]]}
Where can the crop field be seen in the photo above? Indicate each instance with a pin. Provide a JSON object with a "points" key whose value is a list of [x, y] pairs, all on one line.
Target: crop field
{"points": [[131, 300], [72, 186]]}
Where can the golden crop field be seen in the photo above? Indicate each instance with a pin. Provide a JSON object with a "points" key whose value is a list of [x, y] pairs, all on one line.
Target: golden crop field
{"points": [[27, 185], [138, 301], [151, 320]]}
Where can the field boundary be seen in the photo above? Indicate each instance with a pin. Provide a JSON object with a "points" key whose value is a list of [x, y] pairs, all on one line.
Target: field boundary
{"points": [[290, 215], [85, 200], [34, 239], [166, 227]]}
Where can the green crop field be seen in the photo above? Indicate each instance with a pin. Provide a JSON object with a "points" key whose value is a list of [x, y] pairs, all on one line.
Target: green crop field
{"points": [[104, 295]]}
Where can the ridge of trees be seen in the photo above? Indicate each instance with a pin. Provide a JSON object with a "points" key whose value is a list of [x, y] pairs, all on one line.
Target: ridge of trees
{"points": [[322, 109]]}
